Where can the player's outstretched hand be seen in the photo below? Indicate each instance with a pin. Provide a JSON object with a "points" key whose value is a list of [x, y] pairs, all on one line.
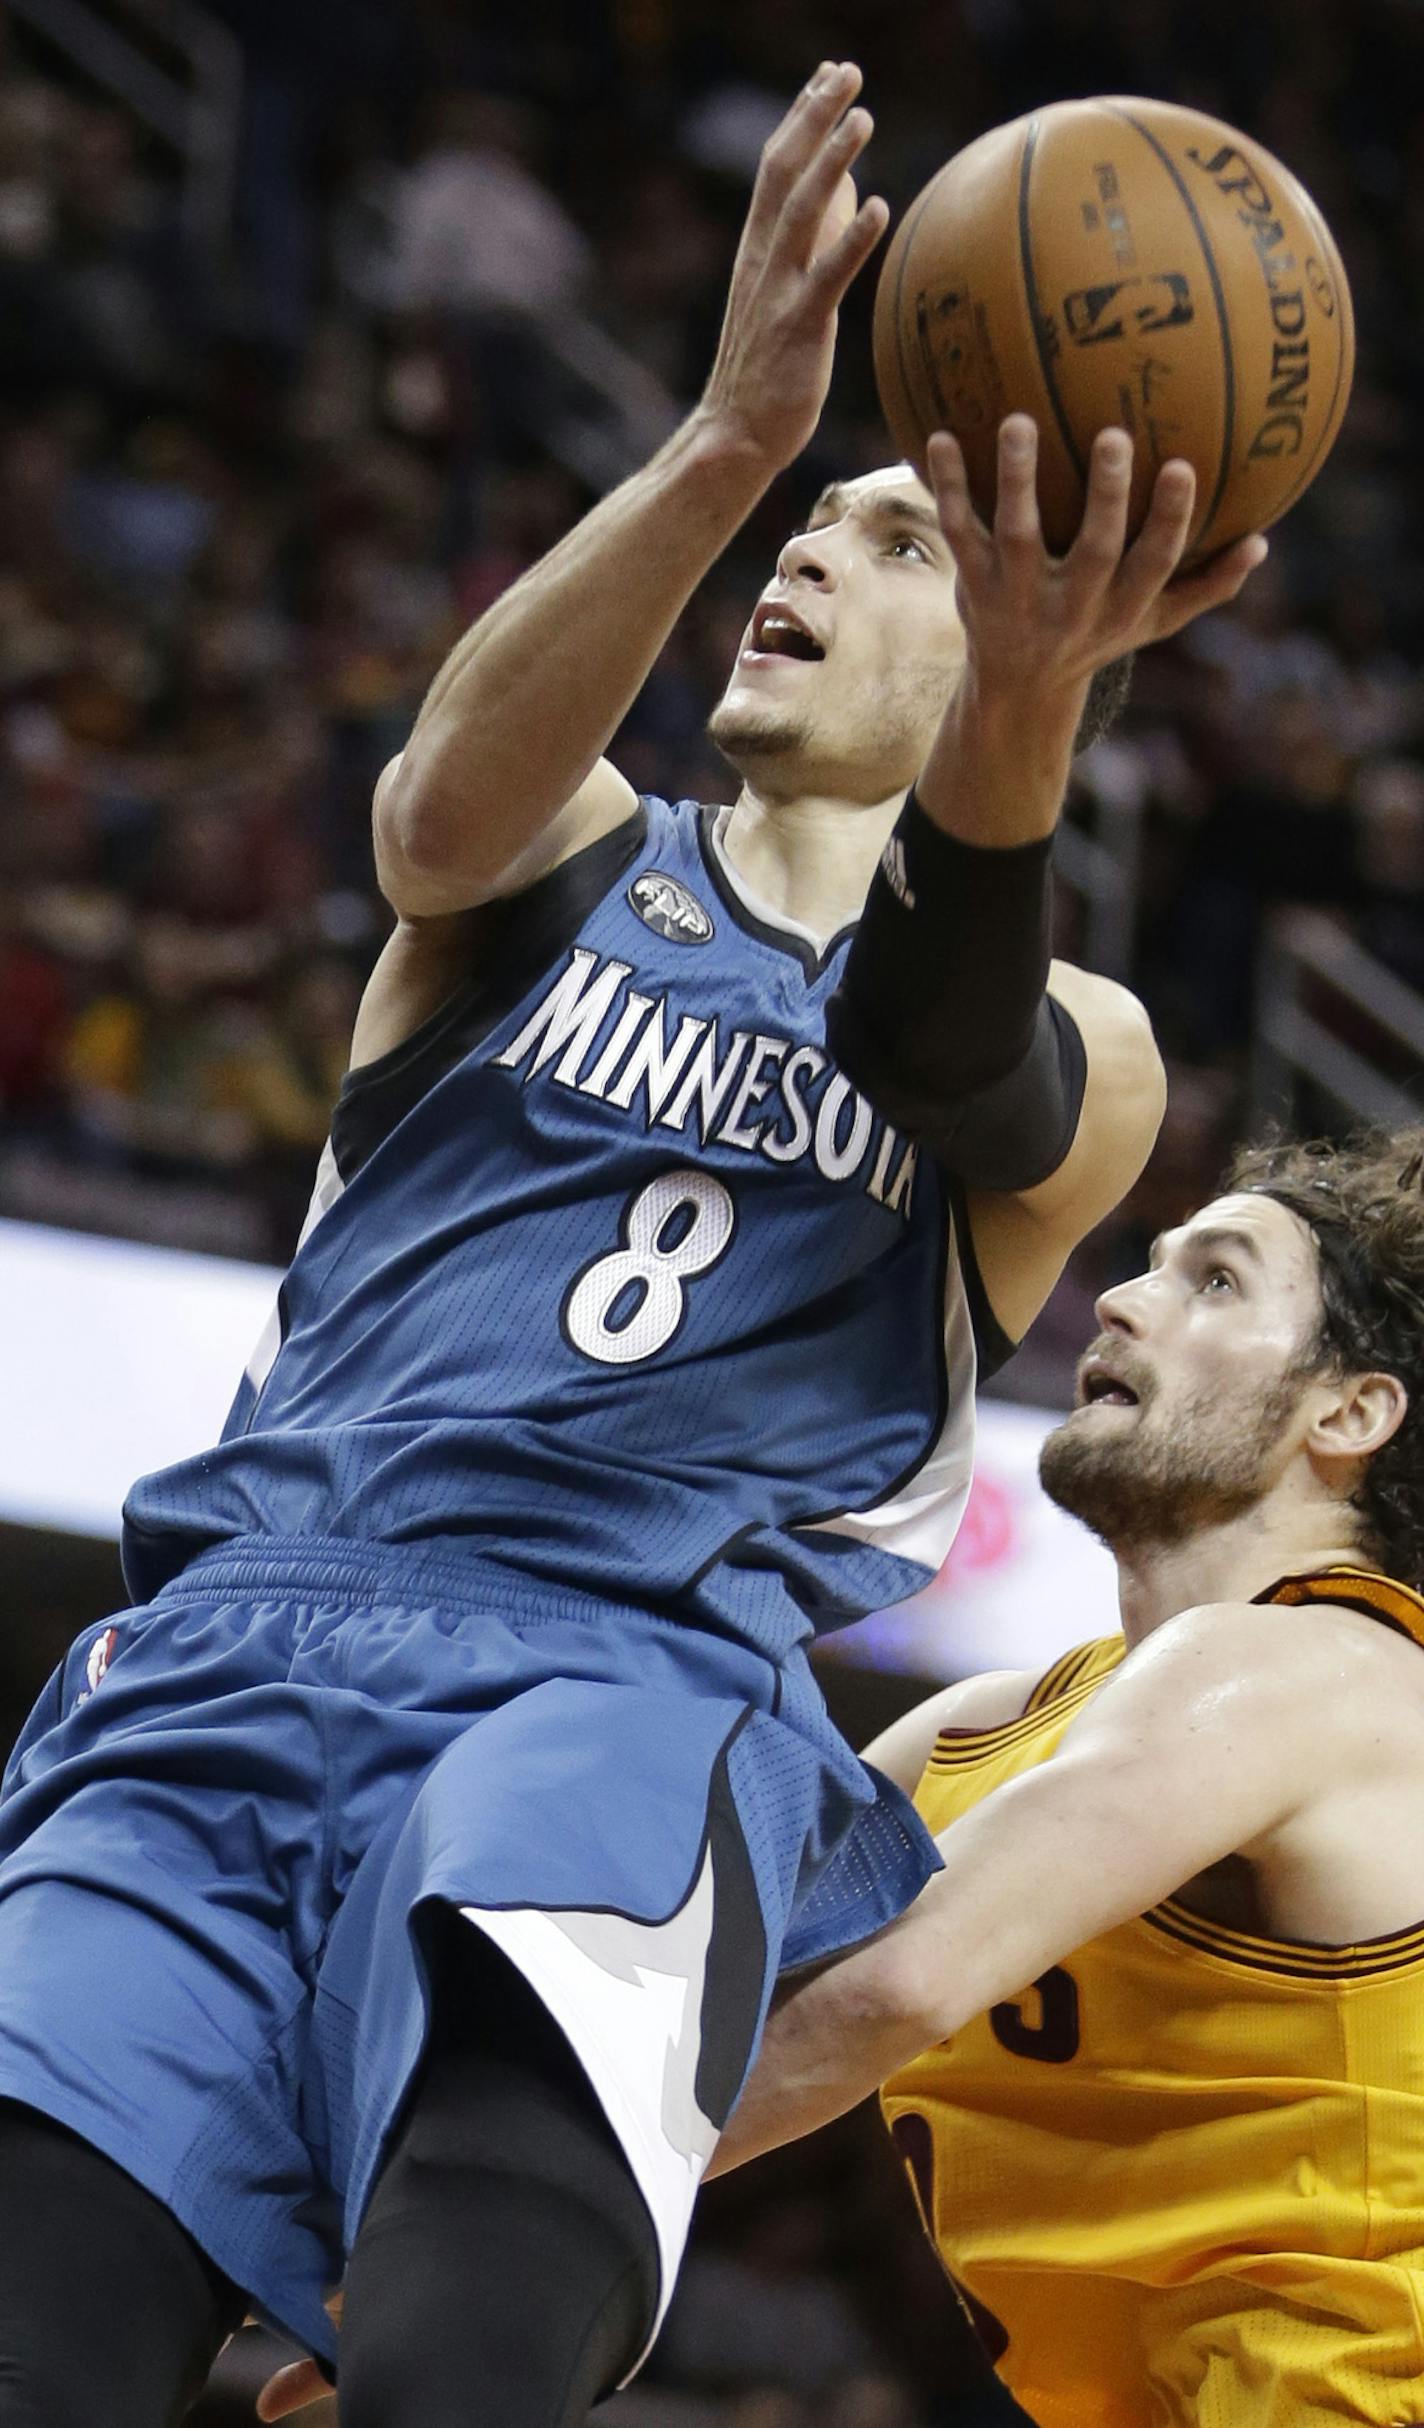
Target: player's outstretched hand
{"points": [[803, 243], [1033, 618]]}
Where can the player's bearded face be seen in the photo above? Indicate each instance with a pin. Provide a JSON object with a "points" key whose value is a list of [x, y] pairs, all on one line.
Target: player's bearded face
{"points": [[852, 652], [1184, 1462], [1192, 1402]]}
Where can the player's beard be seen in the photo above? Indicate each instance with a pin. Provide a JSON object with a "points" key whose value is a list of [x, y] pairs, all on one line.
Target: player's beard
{"points": [[1165, 1474], [872, 745]]}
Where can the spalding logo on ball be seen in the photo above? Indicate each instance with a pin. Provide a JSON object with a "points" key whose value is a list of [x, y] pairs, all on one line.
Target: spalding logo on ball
{"points": [[1129, 263]]}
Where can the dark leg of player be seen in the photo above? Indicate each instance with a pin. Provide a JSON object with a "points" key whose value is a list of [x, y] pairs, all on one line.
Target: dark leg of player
{"points": [[507, 2268], [110, 2315]]}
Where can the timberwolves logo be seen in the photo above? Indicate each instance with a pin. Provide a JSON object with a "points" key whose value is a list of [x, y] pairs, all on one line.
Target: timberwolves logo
{"points": [[669, 909]]}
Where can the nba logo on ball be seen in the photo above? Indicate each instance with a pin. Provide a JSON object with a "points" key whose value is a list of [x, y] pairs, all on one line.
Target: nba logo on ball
{"points": [[1121, 263], [669, 909]]}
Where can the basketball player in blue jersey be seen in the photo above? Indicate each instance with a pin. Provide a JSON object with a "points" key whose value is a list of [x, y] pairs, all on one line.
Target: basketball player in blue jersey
{"points": [[396, 1889]]}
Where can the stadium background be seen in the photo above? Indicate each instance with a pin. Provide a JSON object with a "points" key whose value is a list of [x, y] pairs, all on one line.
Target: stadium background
{"points": [[321, 323]]}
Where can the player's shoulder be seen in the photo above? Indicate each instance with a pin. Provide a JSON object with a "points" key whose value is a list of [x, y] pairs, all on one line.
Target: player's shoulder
{"points": [[1285, 1653]]}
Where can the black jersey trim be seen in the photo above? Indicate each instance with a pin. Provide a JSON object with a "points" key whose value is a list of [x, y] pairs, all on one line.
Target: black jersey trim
{"points": [[992, 1345], [513, 941], [1366, 1590], [780, 939], [1297, 1959], [1066, 1672], [962, 1748]]}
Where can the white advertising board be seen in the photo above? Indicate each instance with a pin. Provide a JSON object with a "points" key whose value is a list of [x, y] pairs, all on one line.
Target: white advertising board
{"points": [[120, 1359]]}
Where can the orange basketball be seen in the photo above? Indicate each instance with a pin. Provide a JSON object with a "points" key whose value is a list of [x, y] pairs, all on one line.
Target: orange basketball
{"points": [[1121, 262]]}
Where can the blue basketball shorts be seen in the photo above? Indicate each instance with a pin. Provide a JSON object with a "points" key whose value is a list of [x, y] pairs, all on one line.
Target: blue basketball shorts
{"points": [[226, 1824]]}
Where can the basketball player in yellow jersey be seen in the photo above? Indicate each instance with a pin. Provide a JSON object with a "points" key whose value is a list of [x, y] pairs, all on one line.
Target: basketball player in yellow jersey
{"points": [[1152, 2043]]}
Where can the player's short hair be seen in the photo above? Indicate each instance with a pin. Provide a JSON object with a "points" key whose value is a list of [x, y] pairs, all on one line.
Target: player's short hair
{"points": [[1363, 1200]]}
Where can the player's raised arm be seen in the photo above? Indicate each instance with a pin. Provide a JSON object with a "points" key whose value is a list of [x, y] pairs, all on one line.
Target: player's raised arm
{"points": [[1189, 1753], [515, 722], [1042, 1097]]}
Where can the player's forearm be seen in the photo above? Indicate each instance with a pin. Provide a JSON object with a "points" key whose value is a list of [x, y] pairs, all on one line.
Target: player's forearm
{"points": [[831, 2039], [530, 698], [1053, 1859], [1046, 1863], [998, 769]]}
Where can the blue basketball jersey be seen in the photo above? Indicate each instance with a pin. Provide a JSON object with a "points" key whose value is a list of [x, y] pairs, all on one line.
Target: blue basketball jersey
{"points": [[612, 1277]]}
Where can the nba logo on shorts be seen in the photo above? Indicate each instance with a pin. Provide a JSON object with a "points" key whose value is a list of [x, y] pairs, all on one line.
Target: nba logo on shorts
{"points": [[101, 1653], [669, 909]]}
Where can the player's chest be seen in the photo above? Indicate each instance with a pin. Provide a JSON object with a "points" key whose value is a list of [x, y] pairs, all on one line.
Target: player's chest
{"points": [[717, 1059]]}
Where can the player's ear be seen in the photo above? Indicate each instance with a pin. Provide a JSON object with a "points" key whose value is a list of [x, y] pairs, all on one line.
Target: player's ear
{"points": [[1360, 1414]]}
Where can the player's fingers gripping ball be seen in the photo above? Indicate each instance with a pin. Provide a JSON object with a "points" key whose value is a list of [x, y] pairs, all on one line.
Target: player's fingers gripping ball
{"points": [[1129, 263]]}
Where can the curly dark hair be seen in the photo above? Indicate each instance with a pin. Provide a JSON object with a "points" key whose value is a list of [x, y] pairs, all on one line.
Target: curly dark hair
{"points": [[1363, 1200]]}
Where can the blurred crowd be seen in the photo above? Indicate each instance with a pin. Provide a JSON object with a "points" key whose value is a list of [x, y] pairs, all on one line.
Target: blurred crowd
{"points": [[249, 496]]}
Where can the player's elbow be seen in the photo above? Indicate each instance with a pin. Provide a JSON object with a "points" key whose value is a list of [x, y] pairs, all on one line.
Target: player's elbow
{"points": [[1117, 1037], [1137, 1065], [907, 1995], [1126, 1093], [435, 848], [420, 824]]}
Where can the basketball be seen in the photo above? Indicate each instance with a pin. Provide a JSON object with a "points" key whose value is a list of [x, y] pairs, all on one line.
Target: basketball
{"points": [[1121, 262]]}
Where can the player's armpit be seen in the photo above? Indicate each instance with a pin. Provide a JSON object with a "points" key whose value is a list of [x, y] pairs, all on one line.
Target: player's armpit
{"points": [[988, 1701], [1023, 1239]]}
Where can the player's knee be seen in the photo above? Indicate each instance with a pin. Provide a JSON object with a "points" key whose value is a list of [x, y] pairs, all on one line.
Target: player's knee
{"points": [[482, 2278], [108, 2310]]}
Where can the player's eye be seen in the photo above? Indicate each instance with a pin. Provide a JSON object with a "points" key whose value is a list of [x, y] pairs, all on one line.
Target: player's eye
{"points": [[916, 547], [1218, 1278]]}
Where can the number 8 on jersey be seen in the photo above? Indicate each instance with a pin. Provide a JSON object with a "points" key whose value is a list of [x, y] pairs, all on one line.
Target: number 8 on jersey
{"points": [[628, 1305]]}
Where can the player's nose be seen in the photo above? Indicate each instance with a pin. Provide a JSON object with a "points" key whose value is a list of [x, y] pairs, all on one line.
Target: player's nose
{"points": [[1123, 1308], [810, 556]]}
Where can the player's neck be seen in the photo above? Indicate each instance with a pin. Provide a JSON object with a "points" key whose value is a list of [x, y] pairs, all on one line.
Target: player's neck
{"points": [[811, 858], [1232, 1562]]}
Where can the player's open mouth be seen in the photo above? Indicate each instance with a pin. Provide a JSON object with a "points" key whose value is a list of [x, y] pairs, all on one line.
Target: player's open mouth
{"points": [[778, 633], [1098, 1386]]}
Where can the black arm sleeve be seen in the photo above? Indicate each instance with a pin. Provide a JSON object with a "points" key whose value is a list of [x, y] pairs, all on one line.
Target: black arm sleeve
{"points": [[941, 1016]]}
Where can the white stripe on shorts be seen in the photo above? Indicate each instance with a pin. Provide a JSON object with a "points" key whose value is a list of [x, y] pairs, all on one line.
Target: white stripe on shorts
{"points": [[628, 1997]]}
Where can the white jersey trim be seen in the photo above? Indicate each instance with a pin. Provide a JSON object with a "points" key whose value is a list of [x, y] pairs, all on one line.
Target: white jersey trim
{"points": [[759, 909], [328, 1187], [920, 1521]]}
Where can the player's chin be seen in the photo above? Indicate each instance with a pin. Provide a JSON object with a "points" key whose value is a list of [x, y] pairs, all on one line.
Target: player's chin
{"points": [[743, 726]]}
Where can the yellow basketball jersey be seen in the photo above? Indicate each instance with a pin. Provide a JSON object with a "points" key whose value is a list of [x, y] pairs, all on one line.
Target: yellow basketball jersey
{"points": [[1183, 2173]]}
